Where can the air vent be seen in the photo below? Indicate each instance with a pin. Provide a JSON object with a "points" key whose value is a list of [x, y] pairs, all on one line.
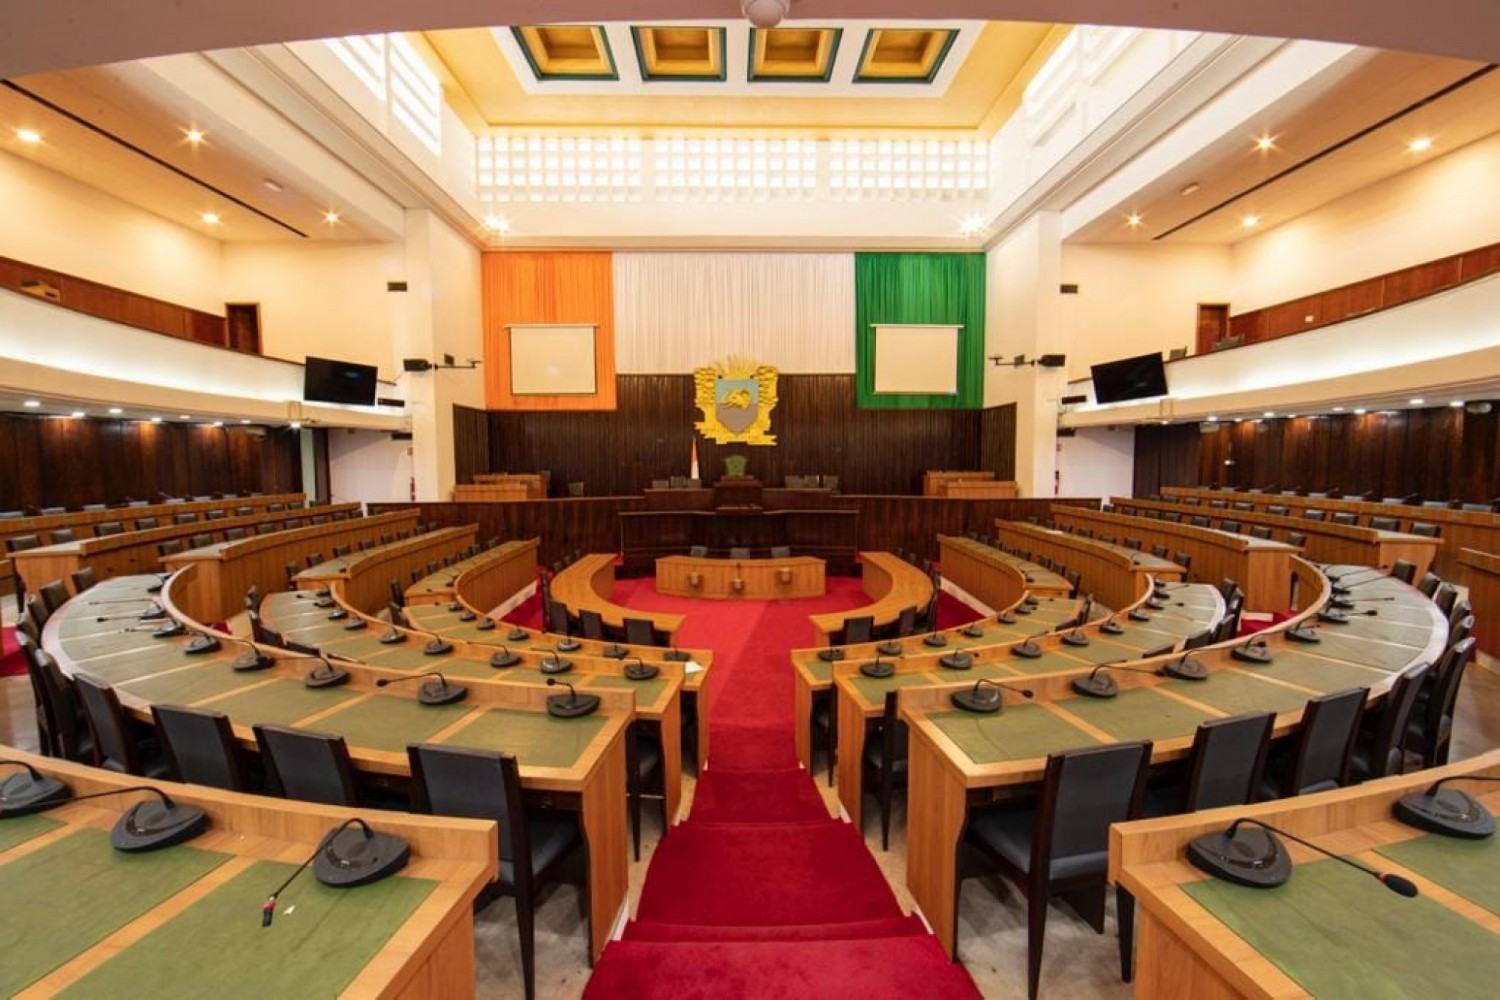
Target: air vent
{"points": [[395, 286]]}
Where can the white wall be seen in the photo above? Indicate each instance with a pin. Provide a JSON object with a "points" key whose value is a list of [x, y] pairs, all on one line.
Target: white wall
{"points": [[1137, 299], [1096, 462], [1441, 208], [324, 299], [368, 466], [56, 222]]}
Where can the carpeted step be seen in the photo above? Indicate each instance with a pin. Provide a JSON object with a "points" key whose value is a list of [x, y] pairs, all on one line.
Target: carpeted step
{"points": [[751, 747], [780, 796], [882, 969], [861, 930], [735, 874]]}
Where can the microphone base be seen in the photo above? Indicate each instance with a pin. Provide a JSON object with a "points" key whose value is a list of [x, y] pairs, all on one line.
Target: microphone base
{"points": [[437, 647], [1027, 651], [1252, 654], [984, 703], [1451, 813], [356, 625], [1112, 627], [201, 644], [503, 659], [487, 625], [614, 651], [21, 795], [1303, 633], [333, 677], [889, 649], [956, 661], [936, 640], [567, 645], [1075, 639], [1333, 617], [392, 638], [1005, 618], [152, 825], [352, 859], [555, 666], [878, 669], [676, 656], [517, 635], [1137, 615], [169, 630], [1098, 686], [1185, 669], [251, 660], [467, 616], [640, 671], [438, 693], [1253, 857], [974, 631], [567, 706], [830, 655]]}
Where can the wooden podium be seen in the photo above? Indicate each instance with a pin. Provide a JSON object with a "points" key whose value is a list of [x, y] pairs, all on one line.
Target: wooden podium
{"points": [[738, 493]]}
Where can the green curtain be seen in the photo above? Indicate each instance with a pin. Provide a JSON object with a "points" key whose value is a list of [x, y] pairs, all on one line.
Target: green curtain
{"points": [[920, 288]]}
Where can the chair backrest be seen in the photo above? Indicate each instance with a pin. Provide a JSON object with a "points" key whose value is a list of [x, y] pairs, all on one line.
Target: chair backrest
{"points": [[144, 523], [114, 748], [557, 617], [1460, 610], [202, 538], [1404, 570], [187, 518], [1314, 515], [1380, 523], [1083, 792], [58, 536], [1229, 756], [638, 632], [1390, 731], [1259, 531], [906, 622], [63, 713], [200, 747], [893, 731], [1445, 596], [781, 552], [170, 547], [1325, 741], [1159, 550], [592, 622], [1230, 525], [1460, 629], [37, 609], [1429, 583], [309, 766], [739, 552], [215, 515], [1296, 538], [698, 551], [472, 784], [29, 649], [1450, 676], [54, 595], [1199, 521], [861, 629], [235, 534], [1344, 517], [108, 528], [1425, 530], [83, 579], [1279, 509]]}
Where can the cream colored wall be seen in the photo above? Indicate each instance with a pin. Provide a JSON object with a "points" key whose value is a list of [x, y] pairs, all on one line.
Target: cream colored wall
{"points": [[1137, 299], [1440, 208], [55, 222], [323, 299]]}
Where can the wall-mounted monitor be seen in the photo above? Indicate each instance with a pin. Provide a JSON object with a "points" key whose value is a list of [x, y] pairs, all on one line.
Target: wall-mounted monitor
{"points": [[328, 381], [1130, 378]]}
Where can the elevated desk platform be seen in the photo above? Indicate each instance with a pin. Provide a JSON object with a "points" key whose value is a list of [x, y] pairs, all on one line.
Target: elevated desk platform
{"points": [[759, 579], [1481, 574], [182, 921], [586, 586], [1329, 931], [891, 583], [995, 578], [488, 578], [364, 578], [1114, 574]]}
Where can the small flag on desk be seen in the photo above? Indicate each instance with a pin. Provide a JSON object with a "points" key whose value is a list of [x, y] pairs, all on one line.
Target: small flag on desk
{"points": [[693, 465]]}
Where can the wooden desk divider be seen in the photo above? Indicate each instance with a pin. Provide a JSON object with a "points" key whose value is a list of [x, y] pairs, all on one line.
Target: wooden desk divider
{"points": [[1112, 573]]}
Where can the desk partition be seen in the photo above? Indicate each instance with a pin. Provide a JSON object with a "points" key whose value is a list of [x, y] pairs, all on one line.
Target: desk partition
{"points": [[756, 579]]}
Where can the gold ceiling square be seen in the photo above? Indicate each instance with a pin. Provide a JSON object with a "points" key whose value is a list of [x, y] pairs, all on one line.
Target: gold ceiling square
{"points": [[793, 54], [903, 55], [679, 53], [567, 51]]}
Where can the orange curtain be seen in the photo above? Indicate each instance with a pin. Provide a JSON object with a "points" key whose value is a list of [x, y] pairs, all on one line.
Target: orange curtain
{"points": [[547, 287]]}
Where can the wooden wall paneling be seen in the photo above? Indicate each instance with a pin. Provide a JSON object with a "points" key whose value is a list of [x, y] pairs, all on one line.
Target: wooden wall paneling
{"points": [[997, 440], [471, 443]]}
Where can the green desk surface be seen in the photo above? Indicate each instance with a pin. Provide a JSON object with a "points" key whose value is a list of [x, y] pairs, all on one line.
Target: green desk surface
{"points": [[64, 898], [1235, 693], [1102, 650], [1468, 868], [1340, 934], [1168, 624], [319, 942], [1387, 656], [523, 674], [647, 693], [86, 647], [22, 828], [819, 670], [535, 738], [875, 688], [388, 722], [451, 628], [165, 655], [1137, 714], [280, 702], [191, 684], [1297, 664], [327, 635], [407, 656], [1141, 638], [77, 626], [1019, 732], [1049, 662]]}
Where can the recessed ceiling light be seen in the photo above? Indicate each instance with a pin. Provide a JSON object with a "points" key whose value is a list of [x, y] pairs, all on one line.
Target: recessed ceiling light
{"points": [[1359, 411], [497, 223], [244, 421], [34, 403], [1338, 409], [183, 416], [115, 411], [1419, 145], [1133, 220], [331, 217], [194, 135], [1212, 419], [1190, 188], [29, 135], [1291, 416], [1456, 404], [1250, 221], [78, 413], [218, 423], [1416, 401], [273, 186], [156, 420], [1265, 143], [1269, 413], [210, 218]]}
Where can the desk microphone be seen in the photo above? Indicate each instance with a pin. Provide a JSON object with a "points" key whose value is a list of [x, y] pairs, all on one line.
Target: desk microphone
{"points": [[640, 670], [572, 704], [1447, 811], [251, 658], [153, 612], [438, 692], [343, 862], [324, 675], [552, 663], [675, 655], [1100, 685], [1084, 610], [145, 826], [878, 668], [1027, 650], [985, 703], [503, 657], [1253, 651], [1258, 860]]}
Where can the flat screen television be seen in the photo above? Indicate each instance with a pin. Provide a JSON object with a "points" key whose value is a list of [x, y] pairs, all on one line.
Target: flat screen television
{"points": [[1130, 378], [328, 381]]}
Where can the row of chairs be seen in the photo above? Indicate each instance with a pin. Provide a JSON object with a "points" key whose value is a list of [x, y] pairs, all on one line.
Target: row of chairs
{"points": [[1379, 522], [1407, 500], [743, 553], [88, 508]]}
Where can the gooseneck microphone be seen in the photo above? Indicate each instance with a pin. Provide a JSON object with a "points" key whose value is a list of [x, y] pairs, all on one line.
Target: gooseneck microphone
{"points": [[342, 862], [985, 702], [23, 794], [251, 658], [325, 674], [675, 655], [572, 704], [153, 611], [1447, 811], [640, 670], [1257, 859], [145, 826], [438, 692], [1101, 685]]}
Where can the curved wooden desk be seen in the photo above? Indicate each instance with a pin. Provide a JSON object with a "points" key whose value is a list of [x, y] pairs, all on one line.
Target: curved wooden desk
{"points": [[488, 578], [996, 578], [586, 586], [1112, 573], [759, 579], [410, 937], [1185, 947], [1481, 574], [959, 760], [580, 762], [364, 578], [891, 583]]}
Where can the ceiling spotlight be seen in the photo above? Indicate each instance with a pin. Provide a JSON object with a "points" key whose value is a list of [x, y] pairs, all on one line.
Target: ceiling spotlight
{"points": [[1416, 401], [331, 217], [32, 404], [156, 420], [1359, 411], [183, 416], [764, 13], [218, 423], [29, 135], [1265, 143], [194, 136], [210, 218], [1250, 221], [1420, 145], [115, 411], [1457, 404], [78, 413], [1269, 413], [244, 421], [1338, 409], [1190, 188], [497, 223], [1133, 220], [295, 425], [971, 225], [1211, 419]]}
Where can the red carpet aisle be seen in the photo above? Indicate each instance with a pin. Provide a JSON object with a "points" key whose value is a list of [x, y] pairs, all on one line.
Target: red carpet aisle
{"points": [[11, 663], [759, 894]]}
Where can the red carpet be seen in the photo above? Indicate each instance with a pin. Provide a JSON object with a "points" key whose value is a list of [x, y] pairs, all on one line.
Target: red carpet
{"points": [[11, 664], [759, 893]]}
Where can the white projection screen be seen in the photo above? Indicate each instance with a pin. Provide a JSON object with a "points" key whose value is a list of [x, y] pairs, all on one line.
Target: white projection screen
{"points": [[552, 359], [916, 359]]}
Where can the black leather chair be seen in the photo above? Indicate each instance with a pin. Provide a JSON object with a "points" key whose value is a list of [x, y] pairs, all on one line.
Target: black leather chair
{"points": [[856, 630], [1321, 750], [108, 528], [70, 734], [20, 543], [592, 622], [698, 551], [1377, 745], [54, 595], [1344, 517], [557, 617], [885, 763], [60, 536], [1380, 523], [1404, 570], [1425, 530], [644, 777], [1260, 531], [116, 746], [309, 766], [1060, 845], [1445, 597], [739, 552], [45, 726], [638, 632], [1225, 768], [1429, 730], [200, 747], [781, 552], [1429, 583], [534, 843], [83, 579]]}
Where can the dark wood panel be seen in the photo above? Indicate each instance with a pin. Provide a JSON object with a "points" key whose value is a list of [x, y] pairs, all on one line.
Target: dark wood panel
{"points": [[471, 443], [819, 431], [997, 440], [1439, 453], [54, 461]]}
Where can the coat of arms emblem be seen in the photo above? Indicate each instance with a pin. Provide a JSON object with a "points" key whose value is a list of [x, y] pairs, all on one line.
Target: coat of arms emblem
{"points": [[736, 396]]}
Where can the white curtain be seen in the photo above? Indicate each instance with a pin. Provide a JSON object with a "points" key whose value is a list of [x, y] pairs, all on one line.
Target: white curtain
{"points": [[678, 311]]}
